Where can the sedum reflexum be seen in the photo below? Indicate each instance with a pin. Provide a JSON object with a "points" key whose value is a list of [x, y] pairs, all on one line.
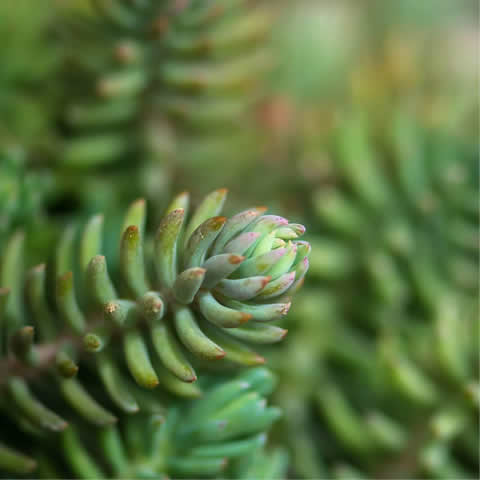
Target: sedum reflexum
{"points": [[223, 433], [395, 270], [203, 288], [163, 82], [196, 64]]}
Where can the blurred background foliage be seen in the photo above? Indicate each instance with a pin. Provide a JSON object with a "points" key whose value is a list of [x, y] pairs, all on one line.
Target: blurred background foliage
{"points": [[357, 118]]}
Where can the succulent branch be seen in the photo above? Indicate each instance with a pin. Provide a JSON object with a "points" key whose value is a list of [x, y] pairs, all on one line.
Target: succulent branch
{"points": [[399, 238], [203, 287], [160, 80], [223, 432]]}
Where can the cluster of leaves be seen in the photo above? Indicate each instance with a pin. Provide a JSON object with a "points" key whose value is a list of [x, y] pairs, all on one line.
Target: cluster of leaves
{"points": [[221, 433], [367, 141], [197, 290], [395, 263], [105, 96], [383, 139], [138, 94], [165, 83]]}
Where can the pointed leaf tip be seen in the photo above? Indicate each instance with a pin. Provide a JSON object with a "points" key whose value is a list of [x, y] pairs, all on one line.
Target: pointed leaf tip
{"points": [[209, 207], [286, 308], [132, 229], [217, 222], [201, 239], [92, 343], [236, 259], [188, 283], [152, 306], [135, 215], [98, 262], [181, 201], [166, 246], [261, 209], [245, 317]]}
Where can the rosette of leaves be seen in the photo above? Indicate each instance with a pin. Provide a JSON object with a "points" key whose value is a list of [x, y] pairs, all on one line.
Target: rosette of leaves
{"points": [[223, 433], [395, 388], [159, 80], [202, 288]]}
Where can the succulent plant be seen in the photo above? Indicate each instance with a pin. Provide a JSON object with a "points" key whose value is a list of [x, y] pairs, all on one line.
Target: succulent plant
{"points": [[395, 264], [224, 432], [210, 286], [119, 356], [155, 89]]}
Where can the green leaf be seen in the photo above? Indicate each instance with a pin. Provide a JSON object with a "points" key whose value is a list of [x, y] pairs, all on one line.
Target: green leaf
{"points": [[83, 403], [193, 338], [220, 315], [220, 267], [258, 333], [11, 277], [114, 384], [187, 284], [259, 312], [36, 299], [243, 288], [138, 360], [67, 303], [170, 352], [33, 410], [132, 262], [15, 462], [201, 240], [166, 241], [211, 206], [101, 287], [234, 226]]}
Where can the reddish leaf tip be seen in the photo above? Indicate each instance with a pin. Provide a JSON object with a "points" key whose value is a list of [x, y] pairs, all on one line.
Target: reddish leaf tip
{"points": [[67, 275], [245, 317], [261, 208], [220, 354], [266, 280], [132, 229], [236, 259]]}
